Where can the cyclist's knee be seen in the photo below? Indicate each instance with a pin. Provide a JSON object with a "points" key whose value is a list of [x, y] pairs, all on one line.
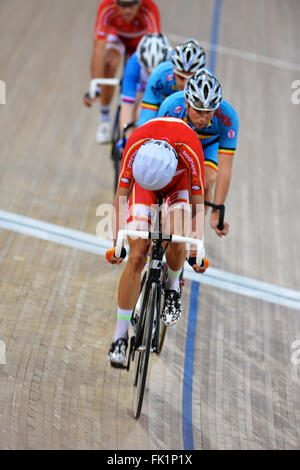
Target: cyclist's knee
{"points": [[111, 62], [138, 254], [137, 261]]}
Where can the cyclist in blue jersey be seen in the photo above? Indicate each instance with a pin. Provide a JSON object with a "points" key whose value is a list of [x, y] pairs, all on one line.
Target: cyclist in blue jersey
{"points": [[171, 76], [151, 51], [216, 122]]}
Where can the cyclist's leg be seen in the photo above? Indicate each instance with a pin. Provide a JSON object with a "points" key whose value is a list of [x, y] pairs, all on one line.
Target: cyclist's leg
{"points": [[113, 53], [176, 252], [175, 256], [138, 219], [177, 222], [129, 286]]}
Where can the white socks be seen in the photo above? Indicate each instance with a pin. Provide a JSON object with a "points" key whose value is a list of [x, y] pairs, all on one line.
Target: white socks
{"points": [[173, 280], [104, 114], [123, 322]]}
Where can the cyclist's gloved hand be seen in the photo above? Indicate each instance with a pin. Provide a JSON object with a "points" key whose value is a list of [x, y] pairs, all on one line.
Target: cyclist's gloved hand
{"points": [[198, 269], [110, 255], [88, 100]]}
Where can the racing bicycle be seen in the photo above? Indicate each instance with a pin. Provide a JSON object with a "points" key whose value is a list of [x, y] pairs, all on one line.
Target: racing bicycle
{"points": [[148, 329]]}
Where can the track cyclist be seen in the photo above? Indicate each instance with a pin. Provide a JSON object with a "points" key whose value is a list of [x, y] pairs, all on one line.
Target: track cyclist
{"points": [[151, 51], [119, 26], [171, 76], [216, 123], [164, 156]]}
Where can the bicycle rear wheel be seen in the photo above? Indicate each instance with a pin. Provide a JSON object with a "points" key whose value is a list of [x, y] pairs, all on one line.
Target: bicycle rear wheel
{"points": [[144, 351]]}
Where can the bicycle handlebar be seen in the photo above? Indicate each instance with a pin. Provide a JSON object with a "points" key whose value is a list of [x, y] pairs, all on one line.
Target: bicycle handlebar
{"points": [[221, 208], [159, 236], [101, 81]]}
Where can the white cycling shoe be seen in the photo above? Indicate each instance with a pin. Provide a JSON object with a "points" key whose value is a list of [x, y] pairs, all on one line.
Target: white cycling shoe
{"points": [[171, 311], [103, 135], [117, 353]]}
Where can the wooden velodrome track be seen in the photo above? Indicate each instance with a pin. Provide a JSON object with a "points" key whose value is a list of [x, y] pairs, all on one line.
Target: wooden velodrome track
{"points": [[240, 390]]}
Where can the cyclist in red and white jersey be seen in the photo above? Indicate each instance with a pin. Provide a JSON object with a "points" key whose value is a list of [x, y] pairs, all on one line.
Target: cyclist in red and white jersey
{"points": [[119, 26], [163, 156]]}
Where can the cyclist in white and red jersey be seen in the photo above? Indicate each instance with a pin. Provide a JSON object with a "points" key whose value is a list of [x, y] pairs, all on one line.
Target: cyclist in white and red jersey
{"points": [[119, 26], [163, 156]]}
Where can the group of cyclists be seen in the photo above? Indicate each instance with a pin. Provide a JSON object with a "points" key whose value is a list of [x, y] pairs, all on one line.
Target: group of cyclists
{"points": [[182, 148]]}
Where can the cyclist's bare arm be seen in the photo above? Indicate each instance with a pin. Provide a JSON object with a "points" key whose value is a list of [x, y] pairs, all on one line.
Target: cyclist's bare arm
{"points": [[197, 203], [222, 186], [127, 115], [119, 216], [97, 68], [119, 221]]}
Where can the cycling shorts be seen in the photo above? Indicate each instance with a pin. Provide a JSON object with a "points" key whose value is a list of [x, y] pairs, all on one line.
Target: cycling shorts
{"points": [[142, 204], [122, 44]]}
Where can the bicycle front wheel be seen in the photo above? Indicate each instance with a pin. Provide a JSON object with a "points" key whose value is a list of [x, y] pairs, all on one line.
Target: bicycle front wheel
{"points": [[144, 351]]}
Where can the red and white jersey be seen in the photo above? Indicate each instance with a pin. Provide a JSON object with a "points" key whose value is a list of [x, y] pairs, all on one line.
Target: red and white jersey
{"points": [[182, 138], [109, 20]]}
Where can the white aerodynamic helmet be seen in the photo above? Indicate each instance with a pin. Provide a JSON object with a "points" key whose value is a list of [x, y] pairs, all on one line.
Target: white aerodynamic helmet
{"points": [[203, 91], [152, 50], [155, 164], [188, 57]]}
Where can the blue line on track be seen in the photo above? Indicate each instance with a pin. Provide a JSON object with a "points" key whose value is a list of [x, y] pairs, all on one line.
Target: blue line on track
{"points": [[187, 393], [215, 34]]}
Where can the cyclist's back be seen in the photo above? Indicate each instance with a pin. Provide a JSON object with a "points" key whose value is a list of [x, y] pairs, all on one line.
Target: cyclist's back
{"points": [[220, 136], [181, 137], [134, 80], [161, 84], [185, 60]]}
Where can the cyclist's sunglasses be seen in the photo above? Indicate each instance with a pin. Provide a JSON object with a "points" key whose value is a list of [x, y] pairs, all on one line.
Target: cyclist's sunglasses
{"points": [[127, 4]]}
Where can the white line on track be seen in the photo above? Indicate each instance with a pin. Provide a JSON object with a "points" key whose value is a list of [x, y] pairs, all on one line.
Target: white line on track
{"points": [[2, 353], [241, 54], [92, 244]]}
